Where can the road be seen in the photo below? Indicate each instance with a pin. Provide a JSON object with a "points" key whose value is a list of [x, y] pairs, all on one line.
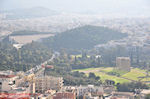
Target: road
{"points": [[37, 70]]}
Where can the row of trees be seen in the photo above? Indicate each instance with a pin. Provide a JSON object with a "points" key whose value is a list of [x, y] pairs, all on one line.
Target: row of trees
{"points": [[77, 61], [104, 57], [74, 78], [130, 87]]}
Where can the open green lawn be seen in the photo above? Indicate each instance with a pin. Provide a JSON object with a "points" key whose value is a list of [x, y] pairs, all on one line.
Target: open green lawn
{"points": [[105, 76], [108, 69], [134, 74], [86, 69], [125, 76]]}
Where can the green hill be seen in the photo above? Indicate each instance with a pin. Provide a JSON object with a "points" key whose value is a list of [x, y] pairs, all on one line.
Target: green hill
{"points": [[85, 37]]}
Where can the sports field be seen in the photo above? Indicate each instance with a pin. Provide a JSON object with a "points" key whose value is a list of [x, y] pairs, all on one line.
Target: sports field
{"points": [[123, 77]]}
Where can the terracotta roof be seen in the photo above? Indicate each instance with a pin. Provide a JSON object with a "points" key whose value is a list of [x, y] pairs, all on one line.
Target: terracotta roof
{"points": [[64, 95], [48, 66], [7, 76]]}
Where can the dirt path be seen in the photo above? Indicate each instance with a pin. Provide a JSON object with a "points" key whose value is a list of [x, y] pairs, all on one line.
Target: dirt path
{"points": [[88, 71]]}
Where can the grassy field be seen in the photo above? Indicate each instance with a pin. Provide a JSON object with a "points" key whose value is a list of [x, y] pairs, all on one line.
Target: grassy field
{"points": [[134, 74], [124, 76], [105, 76]]}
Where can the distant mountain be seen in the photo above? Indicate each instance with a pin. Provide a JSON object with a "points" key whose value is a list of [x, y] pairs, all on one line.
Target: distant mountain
{"points": [[29, 13], [85, 37]]}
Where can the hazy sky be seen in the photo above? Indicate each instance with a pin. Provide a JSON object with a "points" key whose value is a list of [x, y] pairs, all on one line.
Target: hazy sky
{"points": [[80, 5]]}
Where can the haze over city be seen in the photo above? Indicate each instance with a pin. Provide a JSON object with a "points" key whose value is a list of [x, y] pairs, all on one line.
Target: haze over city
{"points": [[136, 7], [74, 49]]}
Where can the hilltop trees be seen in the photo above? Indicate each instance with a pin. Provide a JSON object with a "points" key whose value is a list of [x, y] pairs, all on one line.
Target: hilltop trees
{"points": [[22, 59], [85, 37]]}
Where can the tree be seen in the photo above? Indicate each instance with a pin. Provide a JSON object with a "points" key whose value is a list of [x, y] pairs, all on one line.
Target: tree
{"points": [[84, 55], [147, 96], [92, 75], [130, 87], [97, 78]]}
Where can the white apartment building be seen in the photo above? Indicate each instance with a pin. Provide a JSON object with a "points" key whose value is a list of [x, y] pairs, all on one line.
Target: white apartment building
{"points": [[7, 82]]}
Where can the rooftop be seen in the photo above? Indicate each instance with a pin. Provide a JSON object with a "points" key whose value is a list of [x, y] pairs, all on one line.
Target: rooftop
{"points": [[7, 76]]}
